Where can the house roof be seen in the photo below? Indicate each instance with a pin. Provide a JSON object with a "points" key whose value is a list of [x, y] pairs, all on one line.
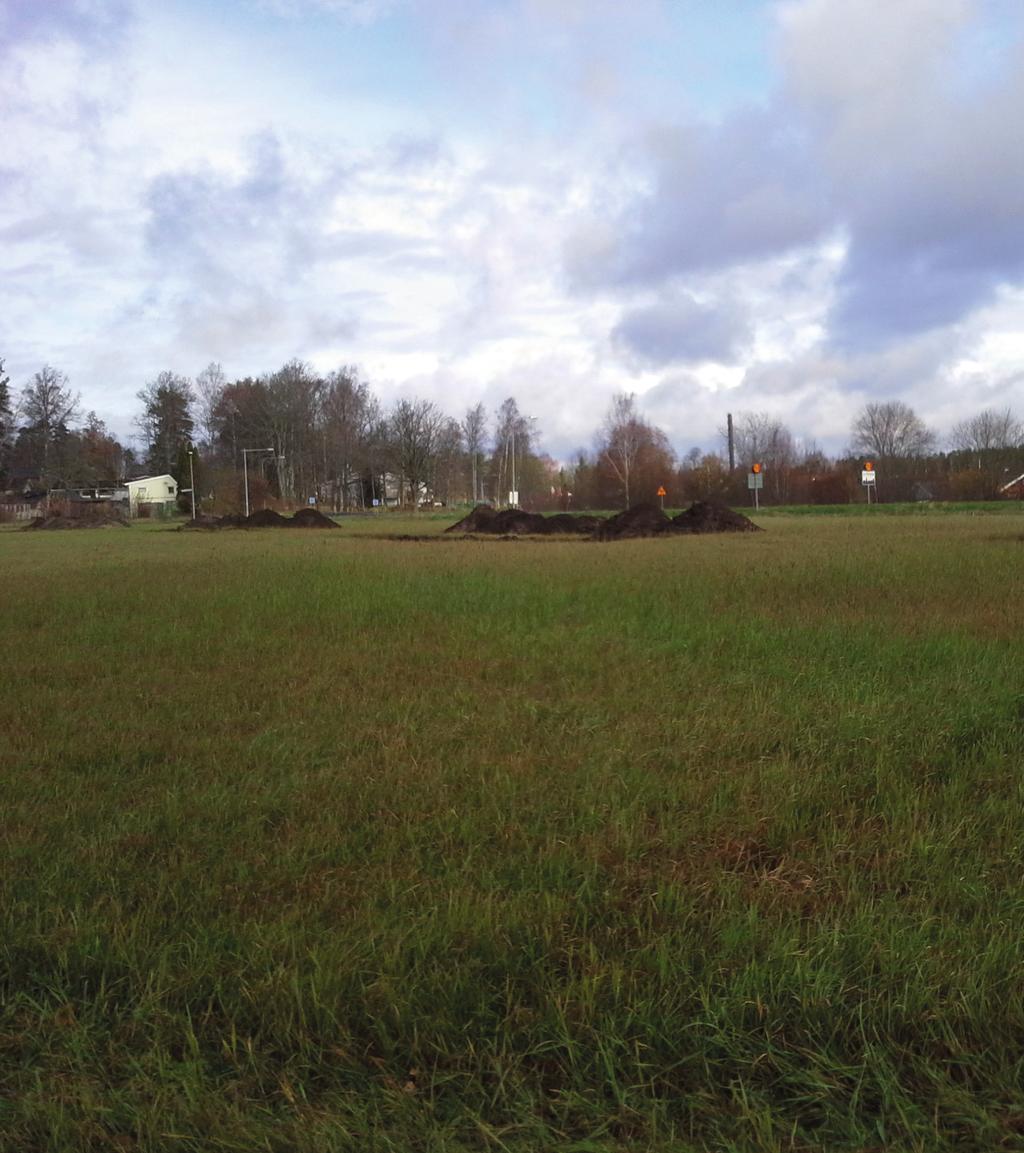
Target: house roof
{"points": [[160, 476]]}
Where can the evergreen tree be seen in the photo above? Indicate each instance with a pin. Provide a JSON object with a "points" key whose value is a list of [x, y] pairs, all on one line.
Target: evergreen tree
{"points": [[166, 422]]}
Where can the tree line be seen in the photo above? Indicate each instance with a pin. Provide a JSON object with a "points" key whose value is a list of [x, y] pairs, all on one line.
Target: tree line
{"points": [[301, 434], [979, 457]]}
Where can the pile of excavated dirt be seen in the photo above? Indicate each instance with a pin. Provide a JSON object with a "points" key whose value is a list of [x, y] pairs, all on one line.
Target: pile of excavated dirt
{"points": [[263, 518], [566, 522], [516, 522], [479, 520], [703, 516], [709, 516], [638, 520], [312, 518], [266, 518], [57, 522]]}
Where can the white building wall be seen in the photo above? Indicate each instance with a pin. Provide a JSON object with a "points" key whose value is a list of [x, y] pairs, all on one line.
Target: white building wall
{"points": [[152, 490]]}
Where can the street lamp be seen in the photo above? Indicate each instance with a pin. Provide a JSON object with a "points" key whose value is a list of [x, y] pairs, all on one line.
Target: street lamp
{"points": [[245, 471], [192, 479]]}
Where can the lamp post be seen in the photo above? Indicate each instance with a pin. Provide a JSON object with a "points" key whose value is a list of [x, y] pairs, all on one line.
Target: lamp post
{"points": [[245, 471], [192, 480]]}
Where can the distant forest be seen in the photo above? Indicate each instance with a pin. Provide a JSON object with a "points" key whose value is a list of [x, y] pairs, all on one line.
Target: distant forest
{"points": [[328, 437]]}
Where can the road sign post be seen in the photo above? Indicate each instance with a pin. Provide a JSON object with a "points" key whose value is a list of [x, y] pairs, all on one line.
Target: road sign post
{"points": [[662, 494], [755, 482], [867, 479]]}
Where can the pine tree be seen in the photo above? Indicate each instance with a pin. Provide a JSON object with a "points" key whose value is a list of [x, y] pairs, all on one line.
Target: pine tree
{"points": [[166, 422]]}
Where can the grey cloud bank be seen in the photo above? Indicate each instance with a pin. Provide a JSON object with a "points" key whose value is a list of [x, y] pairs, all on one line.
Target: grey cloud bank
{"points": [[679, 328]]}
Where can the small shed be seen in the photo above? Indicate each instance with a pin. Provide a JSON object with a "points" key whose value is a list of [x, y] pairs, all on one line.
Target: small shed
{"points": [[159, 490]]}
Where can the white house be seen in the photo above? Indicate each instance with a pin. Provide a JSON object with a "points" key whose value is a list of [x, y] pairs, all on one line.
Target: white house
{"points": [[151, 490]]}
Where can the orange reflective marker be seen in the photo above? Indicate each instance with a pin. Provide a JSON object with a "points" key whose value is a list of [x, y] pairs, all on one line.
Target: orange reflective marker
{"points": [[755, 468], [661, 491], [869, 466]]}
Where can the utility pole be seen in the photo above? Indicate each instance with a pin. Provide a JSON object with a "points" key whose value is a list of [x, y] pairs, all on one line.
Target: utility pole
{"points": [[732, 443], [515, 498], [245, 471]]}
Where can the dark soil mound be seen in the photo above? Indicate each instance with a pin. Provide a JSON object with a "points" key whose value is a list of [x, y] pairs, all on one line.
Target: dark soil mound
{"points": [[479, 520], [266, 518], [564, 522], [708, 516], [202, 522], [311, 518], [516, 522], [57, 522], [263, 518], [640, 520]]}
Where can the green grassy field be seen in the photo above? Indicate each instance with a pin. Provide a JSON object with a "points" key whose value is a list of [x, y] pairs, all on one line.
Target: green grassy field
{"points": [[316, 841]]}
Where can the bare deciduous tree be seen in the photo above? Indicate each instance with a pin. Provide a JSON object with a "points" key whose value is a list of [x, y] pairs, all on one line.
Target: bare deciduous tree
{"points": [[210, 385], [622, 437], [513, 445], [890, 430], [414, 428], [293, 399], [990, 429], [47, 406], [633, 457], [759, 436], [474, 432], [446, 481], [350, 414]]}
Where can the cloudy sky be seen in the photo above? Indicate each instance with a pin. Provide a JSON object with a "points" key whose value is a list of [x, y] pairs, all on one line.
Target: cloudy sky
{"points": [[721, 205]]}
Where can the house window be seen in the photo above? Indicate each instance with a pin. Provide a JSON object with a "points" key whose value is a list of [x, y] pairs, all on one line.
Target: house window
{"points": [[170, 490]]}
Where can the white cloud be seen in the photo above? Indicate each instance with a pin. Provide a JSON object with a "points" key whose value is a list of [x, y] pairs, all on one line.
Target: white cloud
{"points": [[517, 208]]}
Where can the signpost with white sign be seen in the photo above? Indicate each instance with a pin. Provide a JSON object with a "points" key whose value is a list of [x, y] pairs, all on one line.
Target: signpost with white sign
{"points": [[867, 478], [755, 481]]}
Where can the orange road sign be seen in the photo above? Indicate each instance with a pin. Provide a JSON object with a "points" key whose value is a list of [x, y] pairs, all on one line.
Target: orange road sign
{"points": [[755, 468], [661, 491]]}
